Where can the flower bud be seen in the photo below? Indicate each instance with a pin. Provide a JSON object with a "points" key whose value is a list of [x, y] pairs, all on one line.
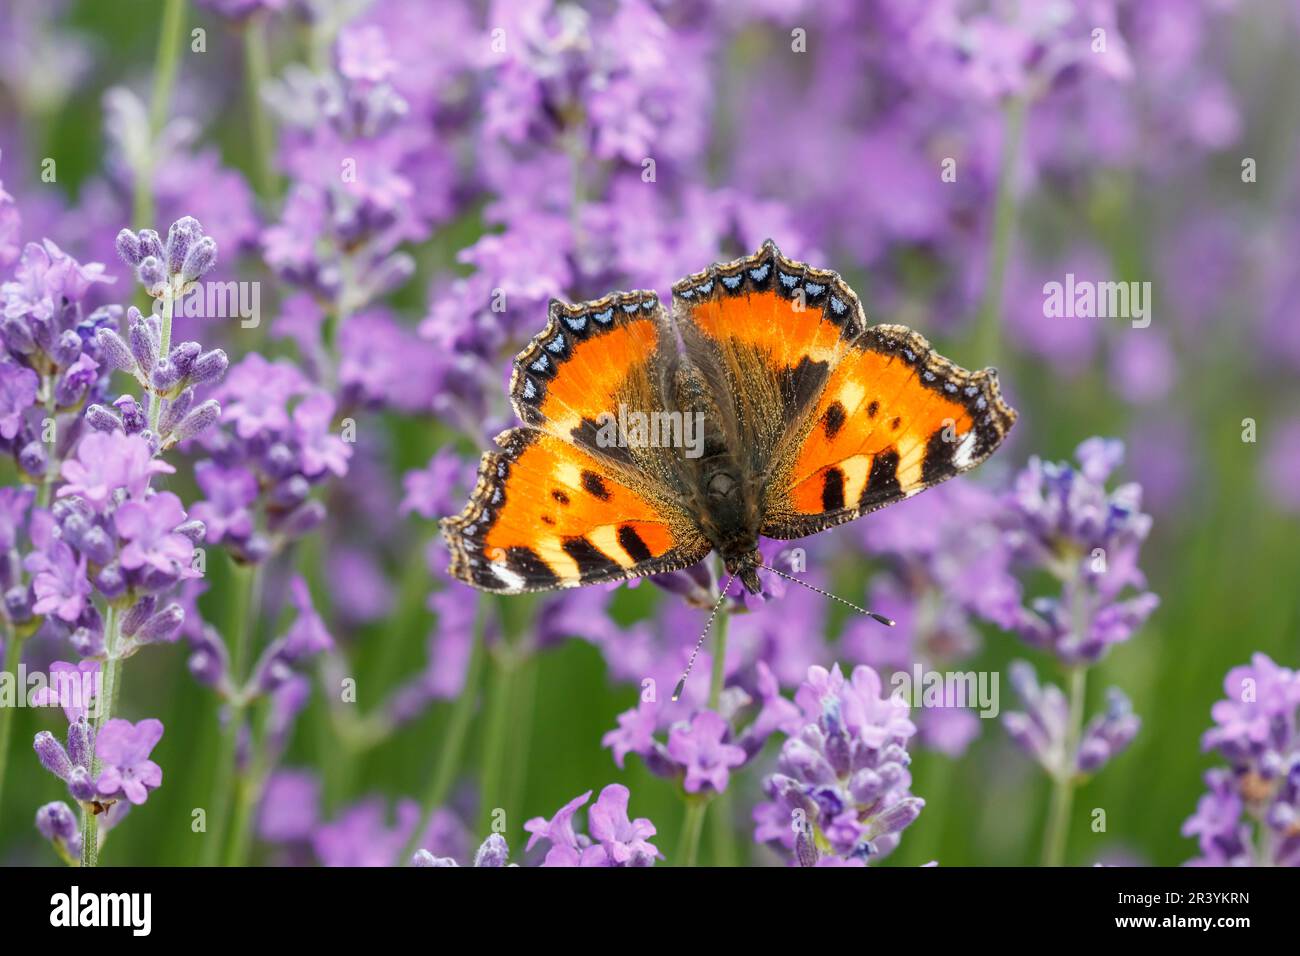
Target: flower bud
{"points": [[115, 350], [200, 259], [128, 247], [203, 417], [163, 626], [143, 347], [151, 275], [208, 367], [81, 741], [52, 755]]}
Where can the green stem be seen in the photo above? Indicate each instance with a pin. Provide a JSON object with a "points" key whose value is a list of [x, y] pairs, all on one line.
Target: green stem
{"points": [[105, 704], [52, 466], [988, 330], [256, 71], [155, 400], [243, 609], [409, 617], [692, 826], [247, 793], [496, 734], [723, 832], [1064, 780], [13, 655], [521, 722], [719, 658], [170, 38], [453, 741]]}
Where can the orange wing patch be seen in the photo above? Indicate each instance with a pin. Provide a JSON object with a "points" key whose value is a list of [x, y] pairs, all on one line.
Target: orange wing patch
{"points": [[546, 514], [590, 358], [786, 331], [894, 418], [775, 328]]}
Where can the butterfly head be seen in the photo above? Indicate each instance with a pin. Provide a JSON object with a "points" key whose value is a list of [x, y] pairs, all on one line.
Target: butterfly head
{"points": [[745, 568]]}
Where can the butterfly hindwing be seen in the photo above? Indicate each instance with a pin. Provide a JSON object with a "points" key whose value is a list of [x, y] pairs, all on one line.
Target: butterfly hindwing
{"points": [[893, 419], [546, 513]]}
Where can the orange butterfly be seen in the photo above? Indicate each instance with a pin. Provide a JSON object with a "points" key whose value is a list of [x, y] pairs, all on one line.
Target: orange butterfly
{"points": [[761, 404]]}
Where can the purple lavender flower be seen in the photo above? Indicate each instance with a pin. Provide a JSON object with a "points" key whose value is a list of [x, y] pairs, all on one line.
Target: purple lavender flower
{"points": [[1251, 814], [493, 852], [559, 829], [1064, 520], [290, 807], [17, 394], [635, 733], [229, 492], [615, 840], [843, 781], [60, 583], [106, 462], [305, 638], [149, 528], [623, 840], [72, 687], [1041, 729], [58, 824], [363, 836], [701, 747], [123, 750], [321, 449]]}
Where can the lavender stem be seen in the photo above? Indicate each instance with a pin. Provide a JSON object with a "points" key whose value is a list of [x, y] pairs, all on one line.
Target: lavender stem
{"points": [[244, 607], [453, 741], [1063, 781], [105, 704]]}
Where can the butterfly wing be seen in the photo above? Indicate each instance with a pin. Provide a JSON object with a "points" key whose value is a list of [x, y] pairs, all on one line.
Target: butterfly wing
{"points": [[547, 514], [836, 419], [562, 504], [893, 419]]}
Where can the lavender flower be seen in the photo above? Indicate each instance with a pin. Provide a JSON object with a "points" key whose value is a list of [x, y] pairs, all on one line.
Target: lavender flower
{"points": [[699, 747], [71, 764], [842, 783], [290, 807], [362, 835], [58, 825], [280, 441], [1251, 814], [615, 840], [1042, 729], [494, 852], [123, 750], [1064, 520], [72, 687]]}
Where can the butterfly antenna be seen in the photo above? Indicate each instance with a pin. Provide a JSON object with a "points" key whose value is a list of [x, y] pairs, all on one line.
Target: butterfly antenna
{"points": [[888, 622], [681, 684]]}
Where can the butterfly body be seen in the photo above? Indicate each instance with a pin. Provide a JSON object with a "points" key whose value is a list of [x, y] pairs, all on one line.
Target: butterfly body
{"points": [[761, 404]]}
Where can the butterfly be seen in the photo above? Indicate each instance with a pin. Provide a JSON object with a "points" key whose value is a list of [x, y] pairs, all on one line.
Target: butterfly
{"points": [[759, 404]]}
